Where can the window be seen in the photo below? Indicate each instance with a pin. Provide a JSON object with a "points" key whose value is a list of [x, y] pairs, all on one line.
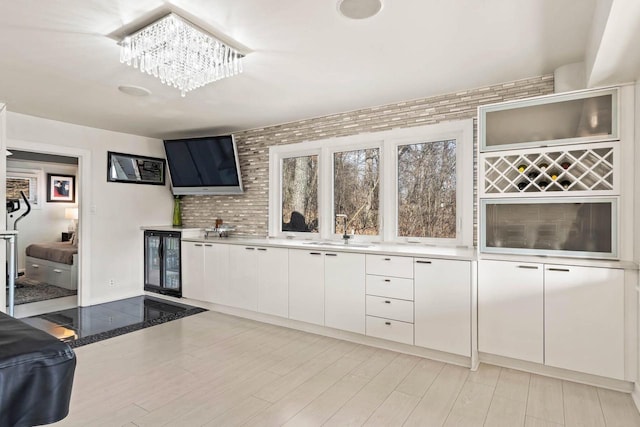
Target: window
{"points": [[300, 194], [427, 190], [356, 178], [25, 180], [412, 185]]}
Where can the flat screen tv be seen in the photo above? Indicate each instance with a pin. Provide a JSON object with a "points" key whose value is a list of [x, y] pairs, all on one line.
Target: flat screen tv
{"points": [[206, 165]]}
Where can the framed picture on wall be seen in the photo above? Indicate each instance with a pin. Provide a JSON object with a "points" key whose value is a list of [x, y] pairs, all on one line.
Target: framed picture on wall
{"points": [[134, 169], [61, 188]]}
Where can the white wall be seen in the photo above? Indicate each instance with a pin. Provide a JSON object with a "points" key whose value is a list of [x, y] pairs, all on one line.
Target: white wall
{"points": [[3, 218], [114, 211], [45, 222]]}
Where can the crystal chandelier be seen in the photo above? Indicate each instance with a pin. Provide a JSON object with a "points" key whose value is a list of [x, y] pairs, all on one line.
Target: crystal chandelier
{"points": [[180, 54]]}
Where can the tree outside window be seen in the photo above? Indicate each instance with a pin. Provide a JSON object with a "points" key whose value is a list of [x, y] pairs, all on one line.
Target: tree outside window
{"points": [[427, 190], [356, 178], [300, 194]]}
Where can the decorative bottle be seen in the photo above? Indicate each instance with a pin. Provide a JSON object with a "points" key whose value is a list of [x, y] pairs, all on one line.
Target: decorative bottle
{"points": [[177, 212]]}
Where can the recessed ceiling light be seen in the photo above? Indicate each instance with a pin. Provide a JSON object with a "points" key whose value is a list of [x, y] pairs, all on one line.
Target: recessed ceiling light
{"points": [[359, 9], [134, 90]]}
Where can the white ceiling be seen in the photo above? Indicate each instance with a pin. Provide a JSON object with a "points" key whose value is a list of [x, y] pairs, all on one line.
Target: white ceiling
{"points": [[57, 61]]}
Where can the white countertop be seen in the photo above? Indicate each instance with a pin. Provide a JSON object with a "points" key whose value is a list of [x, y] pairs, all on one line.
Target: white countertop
{"points": [[405, 249], [409, 249], [169, 228]]}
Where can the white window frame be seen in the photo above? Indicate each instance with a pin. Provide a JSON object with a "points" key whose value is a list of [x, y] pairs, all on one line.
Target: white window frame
{"points": [[275, 188], [340, 147], [387, 142], [38, 175]]}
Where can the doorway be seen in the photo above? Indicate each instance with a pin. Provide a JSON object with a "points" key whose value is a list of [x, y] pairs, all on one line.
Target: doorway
{"points": [[42, 205]]}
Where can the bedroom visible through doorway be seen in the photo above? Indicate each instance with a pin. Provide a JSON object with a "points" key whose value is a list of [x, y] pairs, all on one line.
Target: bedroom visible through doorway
{"points": [[42, 204]]}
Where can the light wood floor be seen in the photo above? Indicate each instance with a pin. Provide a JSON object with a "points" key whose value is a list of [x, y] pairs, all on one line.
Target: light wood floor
{"points": [[218, 370]]}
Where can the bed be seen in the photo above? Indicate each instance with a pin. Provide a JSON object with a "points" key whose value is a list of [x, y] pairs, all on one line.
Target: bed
{"points": [[55, 263]]}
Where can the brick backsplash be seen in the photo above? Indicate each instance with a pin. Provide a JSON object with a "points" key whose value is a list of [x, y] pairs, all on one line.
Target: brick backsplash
{"points": [[248, 212]]}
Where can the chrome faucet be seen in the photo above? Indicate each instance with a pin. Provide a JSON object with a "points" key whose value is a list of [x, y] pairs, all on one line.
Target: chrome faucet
{"points": [[345, 236]]}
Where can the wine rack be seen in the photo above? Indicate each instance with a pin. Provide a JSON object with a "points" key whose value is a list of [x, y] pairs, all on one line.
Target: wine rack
{"points": [[588, 169]]}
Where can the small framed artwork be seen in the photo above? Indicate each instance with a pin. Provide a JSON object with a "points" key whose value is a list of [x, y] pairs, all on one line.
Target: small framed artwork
{"points": [[61, 188], [135, 169]]}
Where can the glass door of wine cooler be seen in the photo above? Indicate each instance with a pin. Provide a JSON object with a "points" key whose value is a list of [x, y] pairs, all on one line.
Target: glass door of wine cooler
{"points": [[153, 258], [171, 245]]}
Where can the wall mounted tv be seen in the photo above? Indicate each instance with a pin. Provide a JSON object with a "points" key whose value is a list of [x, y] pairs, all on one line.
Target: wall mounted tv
{"points": [[206, 165]]}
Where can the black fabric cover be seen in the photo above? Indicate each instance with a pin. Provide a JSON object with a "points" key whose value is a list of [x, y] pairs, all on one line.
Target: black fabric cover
{"points": [[36, 375]]}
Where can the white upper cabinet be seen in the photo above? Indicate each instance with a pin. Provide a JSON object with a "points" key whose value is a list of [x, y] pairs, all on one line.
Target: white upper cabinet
{"points": [[575, 117]]}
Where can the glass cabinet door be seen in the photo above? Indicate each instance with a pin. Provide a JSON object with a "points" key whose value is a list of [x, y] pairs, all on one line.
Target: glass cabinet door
{"points": [[560, 119], [171, 262], [585, 227], [152, 261]]}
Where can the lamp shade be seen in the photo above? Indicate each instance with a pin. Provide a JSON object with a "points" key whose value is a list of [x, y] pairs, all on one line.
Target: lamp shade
{"points": [[71, 213]]}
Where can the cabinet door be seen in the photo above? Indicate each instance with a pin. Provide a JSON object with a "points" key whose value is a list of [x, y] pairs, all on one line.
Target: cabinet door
{"points": [[273, 281], [344, 291], [216, 273], [510, 309], [584, 319], [243, 277], [193, 271], [306, 286], [443, 305]]}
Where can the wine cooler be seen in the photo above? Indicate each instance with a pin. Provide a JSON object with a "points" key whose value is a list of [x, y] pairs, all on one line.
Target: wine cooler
{"points": [[162, 265], [578, 227]]}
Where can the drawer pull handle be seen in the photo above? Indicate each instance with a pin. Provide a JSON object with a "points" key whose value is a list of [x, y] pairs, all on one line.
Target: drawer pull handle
{"points": [[566, 270], [35, 266], [387, 302], [208, 245], [423, 262], [387, 259], [315, 253], [198, 244], [387, 323], [331, 254], [528, 267], [262, 249], [250, 249], [55, 270], [387, 280]]}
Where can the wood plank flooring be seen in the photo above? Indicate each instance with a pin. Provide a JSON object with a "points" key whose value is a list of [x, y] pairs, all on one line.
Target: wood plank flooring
{"points": [[212, 369]]}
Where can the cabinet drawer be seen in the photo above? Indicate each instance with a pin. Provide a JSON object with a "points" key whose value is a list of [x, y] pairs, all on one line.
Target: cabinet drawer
{"points": [[390, 308], [391, 330], [392, 287], [384, 265]]}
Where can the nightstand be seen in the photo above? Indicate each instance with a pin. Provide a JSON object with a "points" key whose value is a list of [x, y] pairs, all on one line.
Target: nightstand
{"points": [[66, 236]]}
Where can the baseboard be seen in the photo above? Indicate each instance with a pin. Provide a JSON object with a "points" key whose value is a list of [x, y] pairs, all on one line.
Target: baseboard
{"points": [[563, 374], [635, 395], [124, 295], [440, 356]]}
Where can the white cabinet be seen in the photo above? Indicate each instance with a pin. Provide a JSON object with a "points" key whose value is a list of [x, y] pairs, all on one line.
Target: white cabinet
{"points": [[511, 309], [193, 278], [306, 286], [242, 291], [443, 305], [344, 290], [389, 304], [584, 319], [273, 281], [216, 272]]}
